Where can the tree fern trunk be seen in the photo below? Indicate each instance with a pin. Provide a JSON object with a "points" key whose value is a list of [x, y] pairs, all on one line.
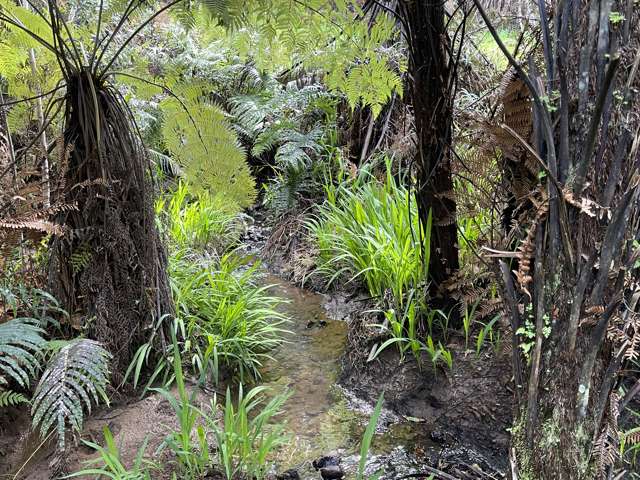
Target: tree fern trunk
{"points": [[430, 78]]}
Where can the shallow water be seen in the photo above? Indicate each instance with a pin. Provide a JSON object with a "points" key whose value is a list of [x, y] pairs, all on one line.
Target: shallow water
{"points": [[320, 416]]}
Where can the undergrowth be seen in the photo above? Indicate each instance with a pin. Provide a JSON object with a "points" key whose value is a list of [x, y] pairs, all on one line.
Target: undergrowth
{"points": [[229, 321], [202, 221], [368, 233]]}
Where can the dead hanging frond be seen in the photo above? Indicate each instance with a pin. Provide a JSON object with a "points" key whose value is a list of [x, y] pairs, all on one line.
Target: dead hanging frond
{"points": [[526, 250], [23, 215], [607, 446], [476, 288]]}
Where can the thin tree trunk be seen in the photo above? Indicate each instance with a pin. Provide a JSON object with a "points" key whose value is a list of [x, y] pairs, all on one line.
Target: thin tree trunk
{"points": [[46, 184]]}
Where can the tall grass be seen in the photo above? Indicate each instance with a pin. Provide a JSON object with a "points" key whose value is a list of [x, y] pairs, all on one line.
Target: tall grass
{"points": [[201, 221], [230, 322], [244, 439], [192, 457], [247, 435], [369, 231]]}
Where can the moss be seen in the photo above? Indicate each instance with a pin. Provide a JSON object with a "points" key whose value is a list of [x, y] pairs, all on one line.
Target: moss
{"points": [[523, 453], [550, 433]]}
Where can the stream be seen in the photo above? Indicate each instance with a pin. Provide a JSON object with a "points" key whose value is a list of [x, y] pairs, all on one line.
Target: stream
{"points": [[322, 417]]}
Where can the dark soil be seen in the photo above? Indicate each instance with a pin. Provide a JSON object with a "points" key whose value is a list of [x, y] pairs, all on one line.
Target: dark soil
{"points": [[466, 411]]}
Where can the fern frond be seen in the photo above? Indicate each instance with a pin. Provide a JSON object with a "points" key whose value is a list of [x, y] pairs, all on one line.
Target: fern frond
{"points": [[76, 375], [20, 342], [10, 398]]}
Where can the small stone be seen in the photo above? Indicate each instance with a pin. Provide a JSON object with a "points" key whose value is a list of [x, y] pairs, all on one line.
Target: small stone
{"points": [[326, 461], [332, 472], [291, 474]]}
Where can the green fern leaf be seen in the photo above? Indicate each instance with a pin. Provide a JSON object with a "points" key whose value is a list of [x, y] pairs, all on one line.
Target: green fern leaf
{"points": [[76, 375], [10, 398], [20, 342]]}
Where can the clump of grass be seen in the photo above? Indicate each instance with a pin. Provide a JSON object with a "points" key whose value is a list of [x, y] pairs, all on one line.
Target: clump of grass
{"points": [[244, 439], [247, 435], [229, 322], [369, 230], [202, 221], [192, 457], [109, 464]]}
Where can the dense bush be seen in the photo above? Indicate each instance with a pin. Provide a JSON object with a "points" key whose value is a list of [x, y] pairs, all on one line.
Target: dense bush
{"points": [[202, 221], [368, 231]]}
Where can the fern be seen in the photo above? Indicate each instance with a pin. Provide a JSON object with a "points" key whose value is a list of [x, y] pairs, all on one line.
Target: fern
{"points": [[10, 398], [20, 342], [76, 375], [201, 140]]}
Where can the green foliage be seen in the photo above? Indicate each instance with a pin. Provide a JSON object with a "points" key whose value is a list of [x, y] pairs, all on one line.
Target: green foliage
{"points": [[19, 300], [247, 436], [365, 445], [21, 341], [437, 353], [488, 332], [230, 322], [145, 357], [527, 332], [75, 376], [202, 221], [292, 124], [490, 50], [17, 78], [198, 136], [369, 231], [467, 320], [109, 464], [192, 459], [323, 36], [243, 441], [10, 398]]}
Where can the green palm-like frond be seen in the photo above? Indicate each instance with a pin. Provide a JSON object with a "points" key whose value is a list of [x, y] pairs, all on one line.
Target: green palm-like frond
{"points": [[20, 342], [76, 375]]}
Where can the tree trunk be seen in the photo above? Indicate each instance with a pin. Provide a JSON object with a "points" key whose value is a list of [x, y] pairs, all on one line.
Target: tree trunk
{"points": [[578, 285], [430, 89]]}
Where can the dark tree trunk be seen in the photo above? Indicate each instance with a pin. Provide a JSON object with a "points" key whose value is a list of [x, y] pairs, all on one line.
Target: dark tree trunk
{"points": [[576, 287], [431, 96]]}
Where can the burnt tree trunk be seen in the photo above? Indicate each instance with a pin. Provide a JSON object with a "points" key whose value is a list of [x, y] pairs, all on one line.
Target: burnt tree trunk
{"points": [[431, 83], [576, 287]]}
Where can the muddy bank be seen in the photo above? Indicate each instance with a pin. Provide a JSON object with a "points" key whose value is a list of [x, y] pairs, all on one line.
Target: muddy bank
{"points": [[464, 412]]}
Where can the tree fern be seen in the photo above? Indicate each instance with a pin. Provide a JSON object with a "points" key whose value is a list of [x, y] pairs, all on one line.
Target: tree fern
{"points": [[76, 375], [20, 342]]}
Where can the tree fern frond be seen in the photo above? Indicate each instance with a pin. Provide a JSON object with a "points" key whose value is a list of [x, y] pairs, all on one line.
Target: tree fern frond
{"points": [[20, 342], [77, 374]]}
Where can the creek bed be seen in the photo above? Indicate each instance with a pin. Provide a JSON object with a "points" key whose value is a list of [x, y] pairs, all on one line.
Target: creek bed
{"points": [[322, 417]]}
